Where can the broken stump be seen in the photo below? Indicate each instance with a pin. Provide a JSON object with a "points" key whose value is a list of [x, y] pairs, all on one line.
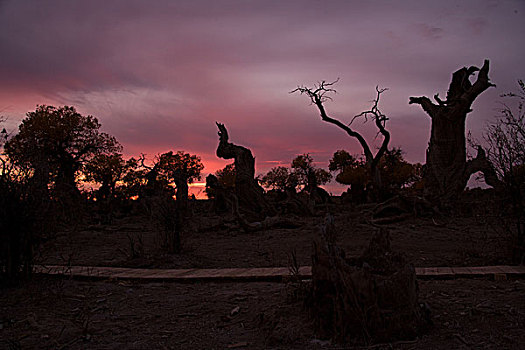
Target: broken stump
{"points": [[370, 299]]}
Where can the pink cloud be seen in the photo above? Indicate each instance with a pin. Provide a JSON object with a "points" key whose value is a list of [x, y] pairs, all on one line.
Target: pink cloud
{"points": [[158, 75]]}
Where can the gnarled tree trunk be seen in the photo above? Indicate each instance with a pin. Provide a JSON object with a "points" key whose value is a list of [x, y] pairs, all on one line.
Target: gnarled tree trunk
{"points": [[181, 182], [248, 191], [318, 95], [447, 169]]}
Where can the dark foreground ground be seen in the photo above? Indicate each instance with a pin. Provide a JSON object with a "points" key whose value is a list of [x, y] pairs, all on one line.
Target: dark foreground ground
{"points": [[65, 314], [215, 242], [52, 313]]}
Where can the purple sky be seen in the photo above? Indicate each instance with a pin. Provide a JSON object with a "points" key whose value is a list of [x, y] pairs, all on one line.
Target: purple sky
{"points": [[158, 74]]}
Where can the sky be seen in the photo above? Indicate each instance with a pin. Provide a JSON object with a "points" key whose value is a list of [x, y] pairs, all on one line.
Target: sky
{"points": [[159, 74]]}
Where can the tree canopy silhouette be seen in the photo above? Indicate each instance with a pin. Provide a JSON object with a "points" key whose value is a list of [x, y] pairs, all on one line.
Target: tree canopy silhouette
{"points": [[24, 221], [311, 178], [280, 178], [182, 169], [179, 168], [351, 170], [395, 171], [55, 143], [107, 170], [226, 176], [506, 140], [307, 173]]}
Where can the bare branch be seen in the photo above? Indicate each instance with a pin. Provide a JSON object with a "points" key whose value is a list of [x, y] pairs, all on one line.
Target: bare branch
{"points": [[142, 159], [320, 91]]}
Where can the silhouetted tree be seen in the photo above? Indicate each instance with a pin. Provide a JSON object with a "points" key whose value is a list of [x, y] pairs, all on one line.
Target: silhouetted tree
{"points": [[311, 178], [153, 184], [21, 219], [169, 215], [134, 182], [351, 170], [226, 176], [447, 169], [341, 160], [247, 189], [396, 172], [55, 143], [506, 141], [319, 95], [280, 178], [307, 173], [107, 170], [182, 169]]}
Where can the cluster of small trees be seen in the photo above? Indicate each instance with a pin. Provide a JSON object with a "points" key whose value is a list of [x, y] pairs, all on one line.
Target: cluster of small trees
{"points": [[302, 174], [57, 148], [351, 170], [44, 164]]}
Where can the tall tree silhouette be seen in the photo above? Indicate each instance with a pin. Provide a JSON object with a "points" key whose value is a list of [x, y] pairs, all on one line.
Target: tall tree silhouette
{"points": [[447, 169], [319, 94], [58, 138], [311, 177], [182, 169]]}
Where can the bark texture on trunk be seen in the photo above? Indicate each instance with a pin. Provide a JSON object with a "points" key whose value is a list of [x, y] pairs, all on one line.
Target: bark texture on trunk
{"points": [[447, 169]]}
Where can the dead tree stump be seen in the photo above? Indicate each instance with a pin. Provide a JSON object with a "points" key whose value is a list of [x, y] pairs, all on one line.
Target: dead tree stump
{"points": [[447, 168], [370, 299], [249, 193]]}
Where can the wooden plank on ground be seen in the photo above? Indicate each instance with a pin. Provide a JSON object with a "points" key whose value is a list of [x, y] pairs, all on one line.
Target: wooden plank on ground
{"points": [[433, 272], [260, 273]]}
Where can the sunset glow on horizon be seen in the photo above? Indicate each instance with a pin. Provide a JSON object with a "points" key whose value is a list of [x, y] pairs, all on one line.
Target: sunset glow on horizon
{"points": [[158, 75]]}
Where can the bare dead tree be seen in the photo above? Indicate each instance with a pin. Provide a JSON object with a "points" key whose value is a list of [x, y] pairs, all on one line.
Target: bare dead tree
{"points": [[505, 138], [319, 94], [447, 169]]}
